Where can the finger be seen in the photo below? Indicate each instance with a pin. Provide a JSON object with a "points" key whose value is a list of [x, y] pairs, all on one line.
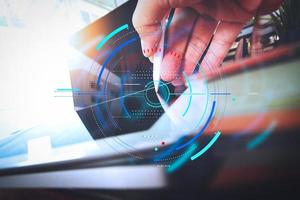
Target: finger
{"points": [[224, 37], [228, 10], [178, 36], [147, 21], [198, 43]]}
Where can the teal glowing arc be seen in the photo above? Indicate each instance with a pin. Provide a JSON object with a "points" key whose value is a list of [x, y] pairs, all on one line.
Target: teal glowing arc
{"points": [[183, 159], [113, 33], [207, 146], [262, 137], [191, 93]]}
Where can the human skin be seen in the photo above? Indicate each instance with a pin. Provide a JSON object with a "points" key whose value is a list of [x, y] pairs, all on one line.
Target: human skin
{"points": [[193, 24]]}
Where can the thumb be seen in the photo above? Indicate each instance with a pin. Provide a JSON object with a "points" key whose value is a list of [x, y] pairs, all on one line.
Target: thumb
{"points": [[147, 19]]}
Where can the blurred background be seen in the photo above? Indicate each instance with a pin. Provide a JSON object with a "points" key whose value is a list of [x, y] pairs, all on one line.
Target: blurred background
{"points": [[256, 158], [34, 51]]}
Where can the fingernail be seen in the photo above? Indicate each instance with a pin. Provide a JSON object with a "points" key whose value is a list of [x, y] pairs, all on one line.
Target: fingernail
{"points": [[143, 47], [147, 49], [151, 59]]}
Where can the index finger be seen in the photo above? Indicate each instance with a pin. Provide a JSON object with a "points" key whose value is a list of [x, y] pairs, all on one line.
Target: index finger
{"points": [[147, 19]]}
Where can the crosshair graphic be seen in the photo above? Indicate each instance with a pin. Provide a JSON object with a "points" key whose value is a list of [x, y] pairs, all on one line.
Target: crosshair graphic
{"points": [[150, 95], [125, 101]]}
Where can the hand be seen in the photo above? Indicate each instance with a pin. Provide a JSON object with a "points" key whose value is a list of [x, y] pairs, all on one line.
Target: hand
{"points": [[192, 27]]}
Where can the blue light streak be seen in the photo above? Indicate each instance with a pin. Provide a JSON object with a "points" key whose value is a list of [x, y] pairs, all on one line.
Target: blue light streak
{"points": [[261, 137], [202, 151], [113, 33]]}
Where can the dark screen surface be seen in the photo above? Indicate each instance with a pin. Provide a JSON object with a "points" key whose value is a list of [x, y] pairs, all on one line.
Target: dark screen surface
{"points": [[114, 103]]}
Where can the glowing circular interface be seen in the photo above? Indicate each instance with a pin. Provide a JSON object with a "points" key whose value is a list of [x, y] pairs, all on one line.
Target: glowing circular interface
{"points": [[151, 96], [126, 112]]}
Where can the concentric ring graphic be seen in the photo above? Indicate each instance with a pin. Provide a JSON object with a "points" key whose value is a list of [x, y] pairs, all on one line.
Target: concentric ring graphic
{"points": [[125, 85]]}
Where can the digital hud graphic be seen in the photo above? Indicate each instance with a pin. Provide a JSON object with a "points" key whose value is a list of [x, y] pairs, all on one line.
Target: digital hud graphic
{"points": [[203, 102]]}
